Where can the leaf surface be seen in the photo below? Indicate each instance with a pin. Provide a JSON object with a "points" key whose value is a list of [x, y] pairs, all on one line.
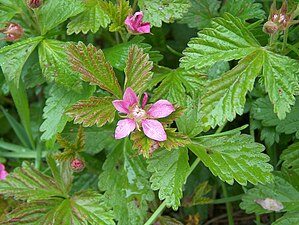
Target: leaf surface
{"points": [[125, 182], [233, 156], [59, 101], [156, 11], [138, 69], [91, 19], [93, 67], [228, 39], [95, 110], [169, 173], [55, 66]]}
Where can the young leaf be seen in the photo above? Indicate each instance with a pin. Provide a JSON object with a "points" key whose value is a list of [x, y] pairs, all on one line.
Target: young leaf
{"points": [[94, 68], [59, 101], [96, 110], [244, 9], [116, 12], [233, 156], [226, 95], [280, 79], [170, 169], [23, 181], [279, 190], [156, 11], [91, 19], [13, 57], [55, 66], [174, 139], [138, 69], [125, 180], [201, 13], [228, 39], [63, 10]]}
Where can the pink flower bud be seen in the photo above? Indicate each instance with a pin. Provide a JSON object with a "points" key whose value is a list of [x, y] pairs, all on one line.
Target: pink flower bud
{"points": [[135, 24], [13, 31], [77, 165], [33, 4]]}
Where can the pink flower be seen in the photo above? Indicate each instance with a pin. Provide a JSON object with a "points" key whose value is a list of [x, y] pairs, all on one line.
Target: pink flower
{"points": [[13, 31], [135, 24], [3, 173], [137, 117]]}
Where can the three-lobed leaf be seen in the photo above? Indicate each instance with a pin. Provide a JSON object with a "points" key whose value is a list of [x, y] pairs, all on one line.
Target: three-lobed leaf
{"points": [[93, 67], [233, 156], [95, 110], [169, 173]]}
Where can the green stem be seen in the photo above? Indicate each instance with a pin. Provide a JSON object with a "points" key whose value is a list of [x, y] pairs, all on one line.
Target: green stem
{"points": [[228, 205], [134, 7], [228, 199], [38, 158], [285, 38], [156, 214], [258, 218]]}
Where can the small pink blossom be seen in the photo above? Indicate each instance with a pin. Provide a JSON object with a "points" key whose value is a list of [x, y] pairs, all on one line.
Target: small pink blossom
{"points": [[3, 172], [13, 31], [137, 116], [135, 24]]}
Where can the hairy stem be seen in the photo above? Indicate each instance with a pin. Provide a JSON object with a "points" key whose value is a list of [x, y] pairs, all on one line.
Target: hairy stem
{"points": [[228, 205]]}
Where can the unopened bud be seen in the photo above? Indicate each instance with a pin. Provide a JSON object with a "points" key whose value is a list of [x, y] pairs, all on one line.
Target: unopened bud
{"points": [[77, 165], [34, 3], [13, 31], [270, 27]]}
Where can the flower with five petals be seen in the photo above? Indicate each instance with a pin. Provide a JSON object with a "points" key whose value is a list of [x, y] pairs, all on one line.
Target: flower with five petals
{"points": [[138, 117], [135, 24]]}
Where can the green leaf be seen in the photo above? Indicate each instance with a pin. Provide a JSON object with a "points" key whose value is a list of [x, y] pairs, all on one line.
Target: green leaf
{"points": [[290, 156], [138, 69], [13, 57], [288, 219], [96, 110], [8, 9], [55, 66], [225, 96], [233, 156], [94, 68], [228, 39], [280, 79], [59, 101], [175, 84], [262, 109], [174, 139], [118, 54], [156, 11], [116, 12], [27, 183], [279, 190], [83, 208], [169, 173], [199, 195], [63, 10], [96, 138], [201, 13], [125, 180], [91, 19], [244, 9]]}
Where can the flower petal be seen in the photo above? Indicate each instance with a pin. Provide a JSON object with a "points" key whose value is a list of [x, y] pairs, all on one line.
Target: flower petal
{"points": [[129, 23], [161, 109], [3, 173], [144, 28], [124, 128], [154, 130], [121, 106], [144, 100], [130, 97]]}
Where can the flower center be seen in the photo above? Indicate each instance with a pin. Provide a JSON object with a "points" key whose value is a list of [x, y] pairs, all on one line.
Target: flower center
{"points": [[138, 113]]}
